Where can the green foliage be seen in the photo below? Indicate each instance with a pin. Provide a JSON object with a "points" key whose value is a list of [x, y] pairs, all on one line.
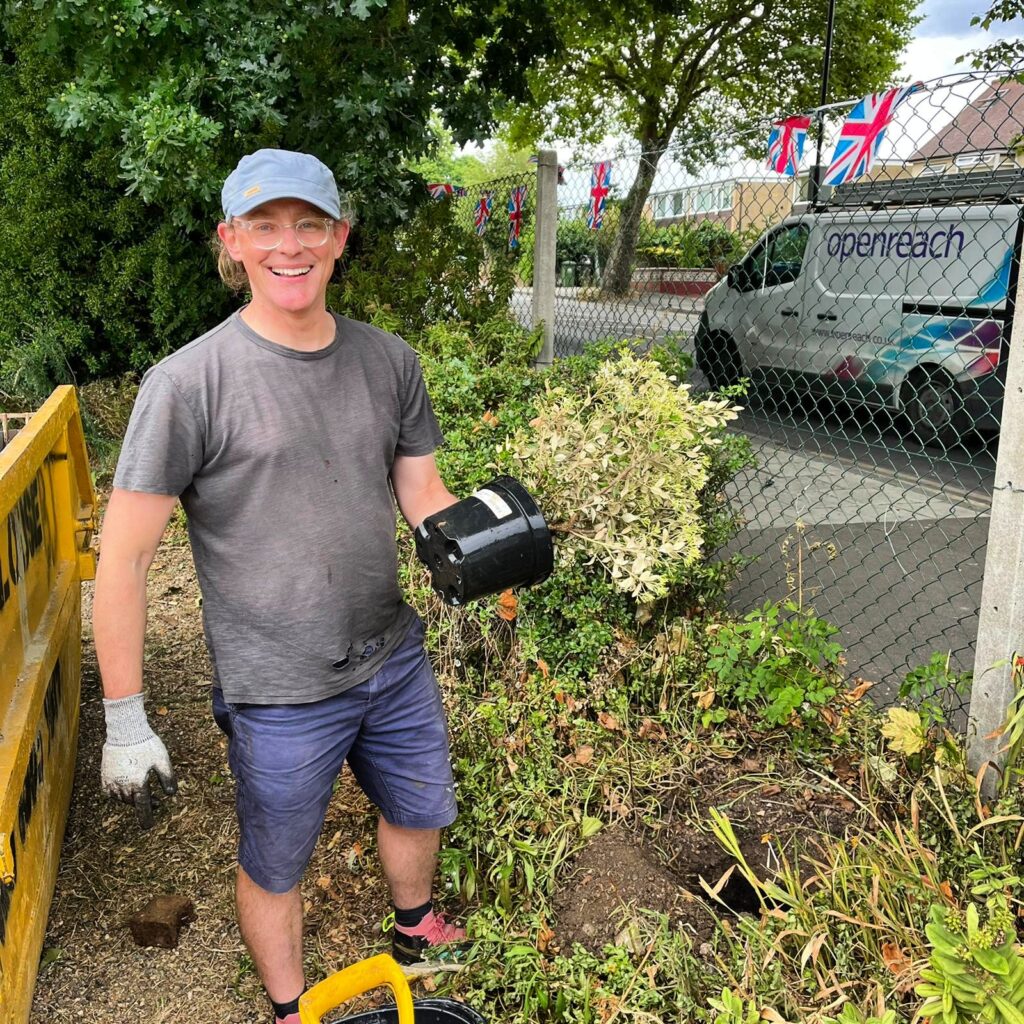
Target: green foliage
{"points": [[976, 971], [706, 244], [432, 269], [1004, 54], [733, 1009], [779, 663], [526, 986], [936, 689], [184, 92], [851, 1015], [93, 281]]}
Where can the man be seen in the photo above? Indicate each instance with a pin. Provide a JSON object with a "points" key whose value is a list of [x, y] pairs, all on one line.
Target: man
{"points": [[284, 432]]}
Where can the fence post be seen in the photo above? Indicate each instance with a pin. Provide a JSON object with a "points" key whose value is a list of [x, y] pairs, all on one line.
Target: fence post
{"points": [[1001, 622], [545, 235]]}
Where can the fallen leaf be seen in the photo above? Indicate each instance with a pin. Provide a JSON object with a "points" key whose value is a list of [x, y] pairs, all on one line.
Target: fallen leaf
{"points": [[651, 730], [508, 605], [610, 722], [324, 881], [705, 698], [854, 695], [895, 960], [905, 731], [161, 711], [582, 755]]}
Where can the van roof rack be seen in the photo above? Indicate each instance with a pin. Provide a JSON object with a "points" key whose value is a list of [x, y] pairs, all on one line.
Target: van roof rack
{"points": [[932, 190]]}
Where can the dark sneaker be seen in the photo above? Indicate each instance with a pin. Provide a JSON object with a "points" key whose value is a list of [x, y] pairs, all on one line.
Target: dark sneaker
{"points": [[432, 943]]}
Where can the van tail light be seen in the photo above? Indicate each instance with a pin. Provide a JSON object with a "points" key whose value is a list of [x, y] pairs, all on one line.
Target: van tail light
{"points": [[985, 338]]}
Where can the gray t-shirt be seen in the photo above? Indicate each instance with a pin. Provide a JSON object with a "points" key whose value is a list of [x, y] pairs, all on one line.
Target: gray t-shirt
{"points": [[282, 460]]}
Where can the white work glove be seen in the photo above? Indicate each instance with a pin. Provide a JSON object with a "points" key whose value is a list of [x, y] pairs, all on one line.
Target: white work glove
{"points": [[131, 752]]}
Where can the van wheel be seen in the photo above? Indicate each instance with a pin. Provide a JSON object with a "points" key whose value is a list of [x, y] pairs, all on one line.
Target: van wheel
{"points": [[933, 404], [718, 359]]}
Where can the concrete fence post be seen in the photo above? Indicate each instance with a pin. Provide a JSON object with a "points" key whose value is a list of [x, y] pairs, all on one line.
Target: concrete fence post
{"points": [[1001, 622], [545, 235]]}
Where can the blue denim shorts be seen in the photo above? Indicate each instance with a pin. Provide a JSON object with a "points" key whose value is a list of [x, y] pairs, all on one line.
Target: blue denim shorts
{"points": [[285, 759]]}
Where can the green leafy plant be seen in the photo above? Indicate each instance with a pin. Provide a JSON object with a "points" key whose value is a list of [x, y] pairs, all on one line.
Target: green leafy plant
{"points": [[779, 663], [935, 689], [976, 970], [734, 1009]]}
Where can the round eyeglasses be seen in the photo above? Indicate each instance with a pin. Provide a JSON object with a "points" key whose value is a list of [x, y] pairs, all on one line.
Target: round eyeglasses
{"points": [[268, 234]]}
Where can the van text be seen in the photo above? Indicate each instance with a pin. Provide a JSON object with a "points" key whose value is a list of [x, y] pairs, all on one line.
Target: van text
{"points": [[939, 245]]}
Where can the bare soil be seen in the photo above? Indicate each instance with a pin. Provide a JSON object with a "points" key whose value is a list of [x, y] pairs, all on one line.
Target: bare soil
{"points": [[93, 973]]}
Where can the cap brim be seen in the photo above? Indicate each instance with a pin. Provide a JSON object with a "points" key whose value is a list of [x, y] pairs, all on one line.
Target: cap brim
{"points": [[282, 190]]}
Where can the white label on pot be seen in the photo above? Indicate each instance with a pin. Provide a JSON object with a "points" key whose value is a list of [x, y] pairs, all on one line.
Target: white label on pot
{"points": [[495, 502]]}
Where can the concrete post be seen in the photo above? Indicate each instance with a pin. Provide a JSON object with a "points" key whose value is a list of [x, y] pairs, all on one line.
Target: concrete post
{"points": [[1001, 623], [545, 235]]}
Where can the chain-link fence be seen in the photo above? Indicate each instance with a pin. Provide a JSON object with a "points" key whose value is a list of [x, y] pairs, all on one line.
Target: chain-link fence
{"points": [[871, 320]]}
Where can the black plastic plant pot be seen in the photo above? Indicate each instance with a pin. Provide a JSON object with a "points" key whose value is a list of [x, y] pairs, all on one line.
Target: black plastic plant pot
{"points": [[493, 540], [425, 1011]]}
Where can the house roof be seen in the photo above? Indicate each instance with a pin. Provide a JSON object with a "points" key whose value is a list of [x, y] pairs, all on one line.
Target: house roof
{"points": [[993, 121]]}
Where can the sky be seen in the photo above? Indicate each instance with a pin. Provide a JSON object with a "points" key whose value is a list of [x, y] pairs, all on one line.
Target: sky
{"points": [[945, 33]]}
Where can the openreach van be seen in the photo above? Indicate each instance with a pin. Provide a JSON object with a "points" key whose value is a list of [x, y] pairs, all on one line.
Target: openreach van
{"points": [[893, 294]]}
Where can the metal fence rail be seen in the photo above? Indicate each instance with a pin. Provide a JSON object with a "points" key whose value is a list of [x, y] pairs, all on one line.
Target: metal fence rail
{"points": [[872, 327]]}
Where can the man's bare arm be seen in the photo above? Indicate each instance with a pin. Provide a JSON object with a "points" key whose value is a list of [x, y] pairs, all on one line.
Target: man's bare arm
{"points": [[419, 490], [132, 528]]}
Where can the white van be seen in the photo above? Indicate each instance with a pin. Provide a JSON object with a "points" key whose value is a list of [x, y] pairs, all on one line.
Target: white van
{"points": [[904, 307]]}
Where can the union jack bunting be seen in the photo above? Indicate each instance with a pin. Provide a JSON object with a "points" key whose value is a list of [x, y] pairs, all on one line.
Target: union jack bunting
{"points": [[442, 190], [515, 215], [600, 186], [483, 212], [863, 132], [786, 144]]}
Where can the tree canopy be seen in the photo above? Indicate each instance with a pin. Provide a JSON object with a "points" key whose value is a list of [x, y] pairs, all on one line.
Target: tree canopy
{"points": [[689, 72], [185, 88]]}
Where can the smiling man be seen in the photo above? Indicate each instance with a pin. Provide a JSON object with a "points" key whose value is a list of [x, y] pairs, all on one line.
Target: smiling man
{"points": [[288, 433]]}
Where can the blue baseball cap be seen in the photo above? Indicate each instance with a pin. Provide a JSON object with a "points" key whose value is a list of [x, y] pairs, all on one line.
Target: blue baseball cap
{"points": [[279, 174]]}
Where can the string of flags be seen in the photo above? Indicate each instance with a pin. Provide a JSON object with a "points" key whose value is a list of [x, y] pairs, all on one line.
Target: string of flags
{"points": [[483, 209], [858, 143], [600, 187]]}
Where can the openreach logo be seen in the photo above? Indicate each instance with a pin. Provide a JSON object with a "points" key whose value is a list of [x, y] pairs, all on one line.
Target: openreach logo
{"points": [[939, 244]]}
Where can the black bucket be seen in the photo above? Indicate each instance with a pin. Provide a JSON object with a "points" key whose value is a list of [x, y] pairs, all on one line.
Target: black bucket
{"points": [[425, 1011], [493, 540]]}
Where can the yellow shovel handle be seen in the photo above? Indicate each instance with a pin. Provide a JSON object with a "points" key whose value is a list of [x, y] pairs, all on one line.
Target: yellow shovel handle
{"points": [[353, 981]]}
